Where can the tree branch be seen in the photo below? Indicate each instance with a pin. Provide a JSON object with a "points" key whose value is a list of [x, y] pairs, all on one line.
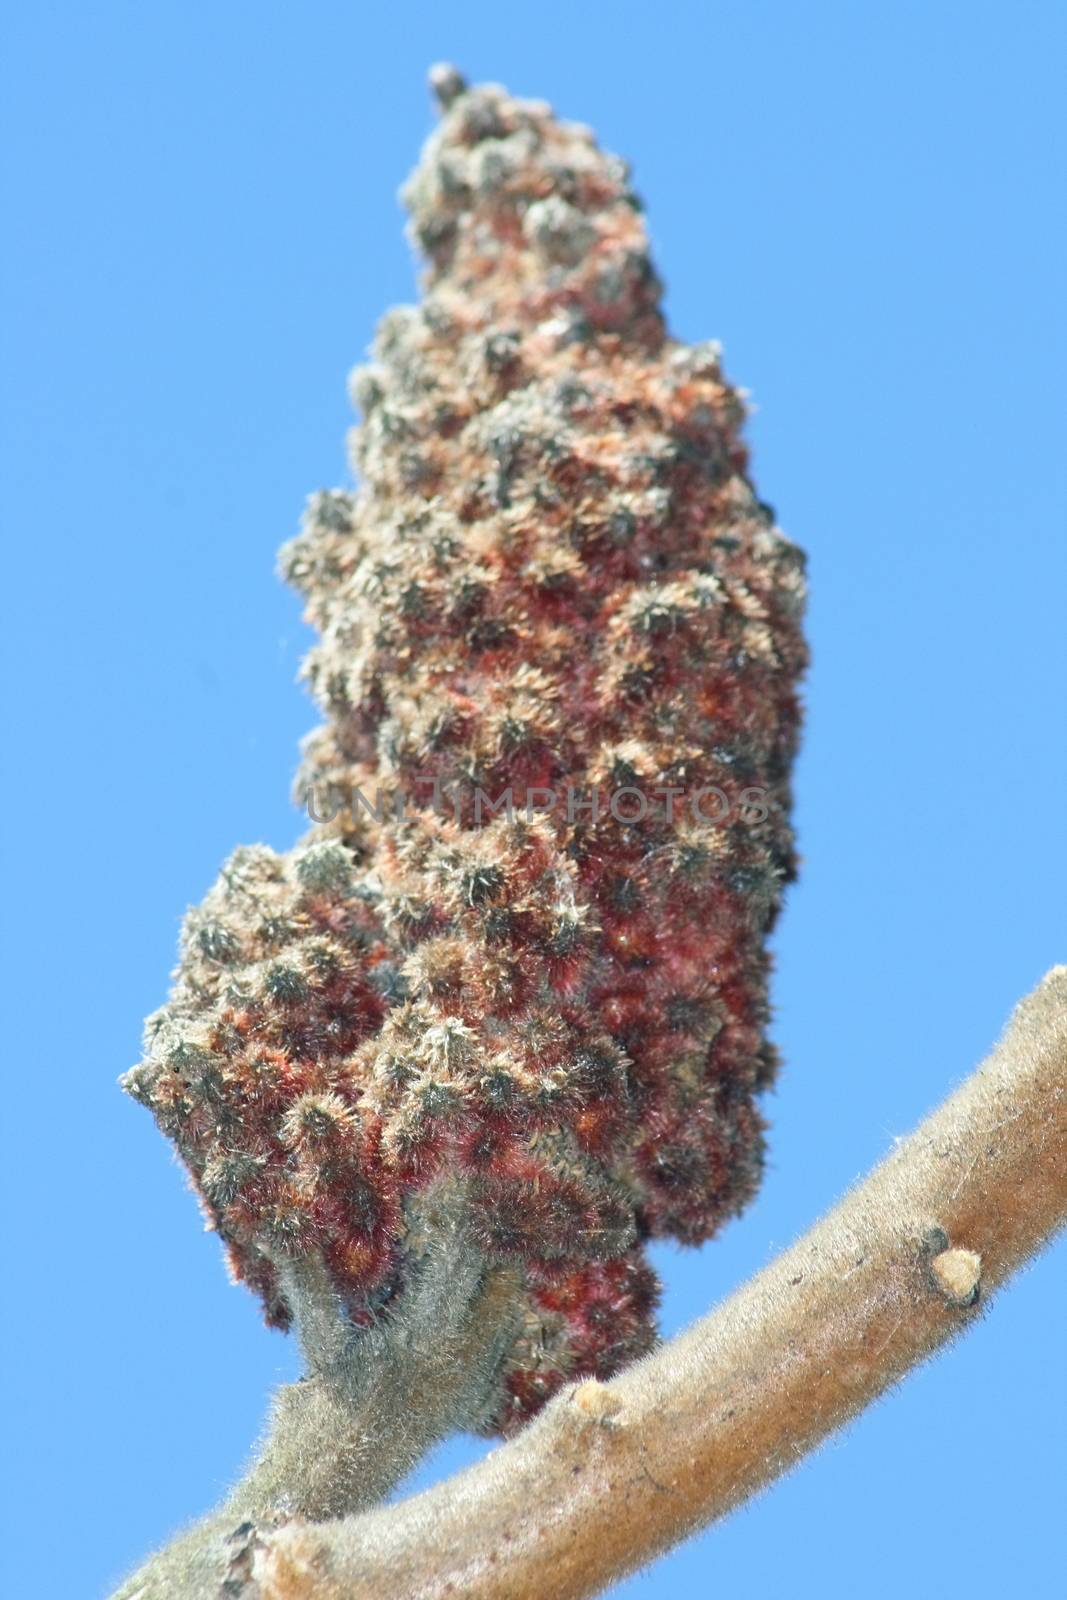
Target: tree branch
{"points": [[612, 1474]]}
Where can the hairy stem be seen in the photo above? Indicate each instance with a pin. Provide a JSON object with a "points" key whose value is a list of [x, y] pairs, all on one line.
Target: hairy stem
{"points": [[373, 1403], [612, 1474]]}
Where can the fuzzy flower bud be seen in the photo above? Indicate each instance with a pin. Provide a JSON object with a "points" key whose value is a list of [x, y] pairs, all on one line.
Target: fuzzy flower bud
{"points": [[560, 628]]}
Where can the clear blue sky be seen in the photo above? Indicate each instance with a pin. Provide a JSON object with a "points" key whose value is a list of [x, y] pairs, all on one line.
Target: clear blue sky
{"points": [[864, 203]]}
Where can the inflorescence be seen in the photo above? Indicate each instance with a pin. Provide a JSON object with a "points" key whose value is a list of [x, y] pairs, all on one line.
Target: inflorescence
{"points": [[554, 574]]}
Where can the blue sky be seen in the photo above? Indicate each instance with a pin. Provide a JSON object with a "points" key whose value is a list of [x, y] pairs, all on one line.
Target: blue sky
{"points": [[864, 203]]}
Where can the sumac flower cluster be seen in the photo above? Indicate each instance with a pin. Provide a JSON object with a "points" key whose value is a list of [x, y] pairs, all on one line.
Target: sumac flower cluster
{"points": [[555, 575]]}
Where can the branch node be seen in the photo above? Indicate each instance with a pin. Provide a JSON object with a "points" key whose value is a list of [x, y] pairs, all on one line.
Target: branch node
{"points": [[958, 1274], [597, 1404]]}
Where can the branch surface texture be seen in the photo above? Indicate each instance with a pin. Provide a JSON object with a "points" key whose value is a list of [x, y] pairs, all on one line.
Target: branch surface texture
{"points": [[612, 1474]]}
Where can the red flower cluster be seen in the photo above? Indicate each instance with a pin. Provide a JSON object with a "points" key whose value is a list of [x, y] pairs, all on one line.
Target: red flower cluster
{"points": [[555, 575]]}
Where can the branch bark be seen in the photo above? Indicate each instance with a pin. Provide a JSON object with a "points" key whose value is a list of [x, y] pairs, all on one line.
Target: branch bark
{"points": [[612, 1474]]}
